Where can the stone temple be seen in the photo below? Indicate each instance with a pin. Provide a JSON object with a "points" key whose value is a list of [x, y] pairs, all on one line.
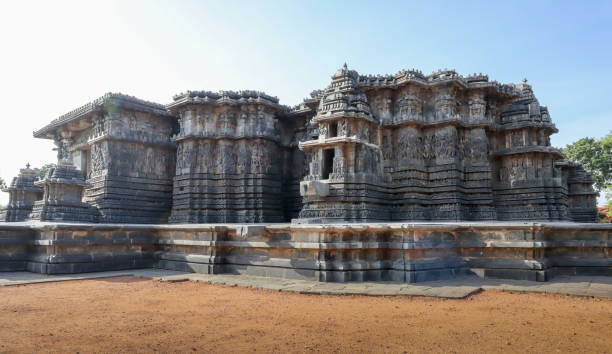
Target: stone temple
{"points": [[394, 149]]}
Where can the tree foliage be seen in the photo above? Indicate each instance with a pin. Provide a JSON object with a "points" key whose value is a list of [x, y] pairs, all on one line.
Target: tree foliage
{"points": [[595, 155], [41, 171]]}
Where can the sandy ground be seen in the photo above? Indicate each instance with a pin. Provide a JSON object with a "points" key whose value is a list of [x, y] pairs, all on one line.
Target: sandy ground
{"points": [[130, 314]]}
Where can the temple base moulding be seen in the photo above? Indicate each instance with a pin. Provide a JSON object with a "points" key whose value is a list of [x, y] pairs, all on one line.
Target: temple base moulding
{"points": [[404, 252]]}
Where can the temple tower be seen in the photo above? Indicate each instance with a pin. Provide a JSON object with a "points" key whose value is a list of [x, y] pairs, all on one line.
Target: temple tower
{"points": [[582, 198], [229, 158], [63, 192], [345, 180], [529, 184], [22, 195], [121, 145]]}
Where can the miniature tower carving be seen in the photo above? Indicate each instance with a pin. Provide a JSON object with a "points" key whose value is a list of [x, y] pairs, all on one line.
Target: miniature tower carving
{"points": [[345, 171], [22, 195], [63, 191]]}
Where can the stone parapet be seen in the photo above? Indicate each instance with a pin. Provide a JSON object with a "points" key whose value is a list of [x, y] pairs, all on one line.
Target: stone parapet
{"points": [[406, 252]]}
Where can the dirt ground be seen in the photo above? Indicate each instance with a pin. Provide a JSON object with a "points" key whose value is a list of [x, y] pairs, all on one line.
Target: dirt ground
{"points": [[130, 314]]}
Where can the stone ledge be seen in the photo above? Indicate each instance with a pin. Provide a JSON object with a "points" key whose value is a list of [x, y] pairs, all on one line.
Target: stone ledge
{"points": [[406, 252]]}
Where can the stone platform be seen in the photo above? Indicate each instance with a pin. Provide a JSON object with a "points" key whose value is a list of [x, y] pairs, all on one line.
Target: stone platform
{"points": [[404, 252], [457, 288]]}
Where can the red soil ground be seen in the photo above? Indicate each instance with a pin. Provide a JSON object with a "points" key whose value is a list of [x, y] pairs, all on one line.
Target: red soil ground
{"points": [[128, 314]]}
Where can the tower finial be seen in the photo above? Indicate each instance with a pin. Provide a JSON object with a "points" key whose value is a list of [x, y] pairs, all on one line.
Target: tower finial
{"points": [[525, 81], [28, 165], [345, 67]]}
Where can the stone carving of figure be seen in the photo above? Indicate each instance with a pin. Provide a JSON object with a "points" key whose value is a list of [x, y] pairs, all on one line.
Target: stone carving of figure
{"points": [[338, 165], [187, 157], [517, 138], [343, 128], [410, 108], [504, 174], [63, 148], [179, 157], [244, 159], [96, 158], [387, 146], [543, 138], [257, 160], [208, 153], [445, 107], [132, 125], [323, 130], [479, 146], [229, 159], [428, 146], [477, 108], [98, 128]]}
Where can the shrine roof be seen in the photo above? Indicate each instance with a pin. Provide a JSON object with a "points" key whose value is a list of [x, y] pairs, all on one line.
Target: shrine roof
{"points": [[109, 101]]}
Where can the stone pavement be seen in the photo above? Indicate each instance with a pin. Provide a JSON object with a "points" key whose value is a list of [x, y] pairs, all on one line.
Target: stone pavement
{"points": [[460, 287], [22, 278]]}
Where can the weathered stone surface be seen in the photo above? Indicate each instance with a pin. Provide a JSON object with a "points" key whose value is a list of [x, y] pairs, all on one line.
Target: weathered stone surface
{"points": [[438, 147], [405, 252], [122, 146], [230, 163], [398, 147], [22, 195], [62, 198]]}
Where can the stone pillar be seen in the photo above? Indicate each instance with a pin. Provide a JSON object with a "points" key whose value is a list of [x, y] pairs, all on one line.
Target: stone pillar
{"points": [[22, 195]]}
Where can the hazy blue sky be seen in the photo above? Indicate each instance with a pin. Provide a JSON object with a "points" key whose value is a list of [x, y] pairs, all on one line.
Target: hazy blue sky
{"points": [[58, 55]]}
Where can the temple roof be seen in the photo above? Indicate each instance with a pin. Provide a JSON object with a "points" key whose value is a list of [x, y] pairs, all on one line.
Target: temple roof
{"points": [[107, 102], [226, 97], [343, 97]]}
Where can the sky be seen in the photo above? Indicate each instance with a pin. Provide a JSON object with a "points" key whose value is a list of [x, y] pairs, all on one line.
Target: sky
{"points": [[58, 55]]}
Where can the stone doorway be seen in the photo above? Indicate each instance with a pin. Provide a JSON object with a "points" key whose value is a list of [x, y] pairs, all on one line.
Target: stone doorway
{"points": [[328, 162]]}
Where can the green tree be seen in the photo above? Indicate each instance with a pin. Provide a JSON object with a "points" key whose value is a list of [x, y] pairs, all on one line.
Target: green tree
{"points": [[41, 171], [595, 155]]}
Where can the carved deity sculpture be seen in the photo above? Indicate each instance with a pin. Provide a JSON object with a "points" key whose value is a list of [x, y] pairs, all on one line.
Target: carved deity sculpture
{"points": [[445, 107], [62, 147], [410, 108], [479, 146], [517, 138], [477, 109], [343, 128], [98, 157], [543, 138], [323, 131]]}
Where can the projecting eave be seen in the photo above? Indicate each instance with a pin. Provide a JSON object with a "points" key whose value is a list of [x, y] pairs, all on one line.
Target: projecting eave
{"points": [[530, 149], [334, 115], [80, 118], [306, 145]]}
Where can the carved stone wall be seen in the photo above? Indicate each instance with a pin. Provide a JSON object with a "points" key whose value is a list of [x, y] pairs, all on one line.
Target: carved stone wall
{"points": [[236, 159], [131, 165], [437, 147], [367, 148]]}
